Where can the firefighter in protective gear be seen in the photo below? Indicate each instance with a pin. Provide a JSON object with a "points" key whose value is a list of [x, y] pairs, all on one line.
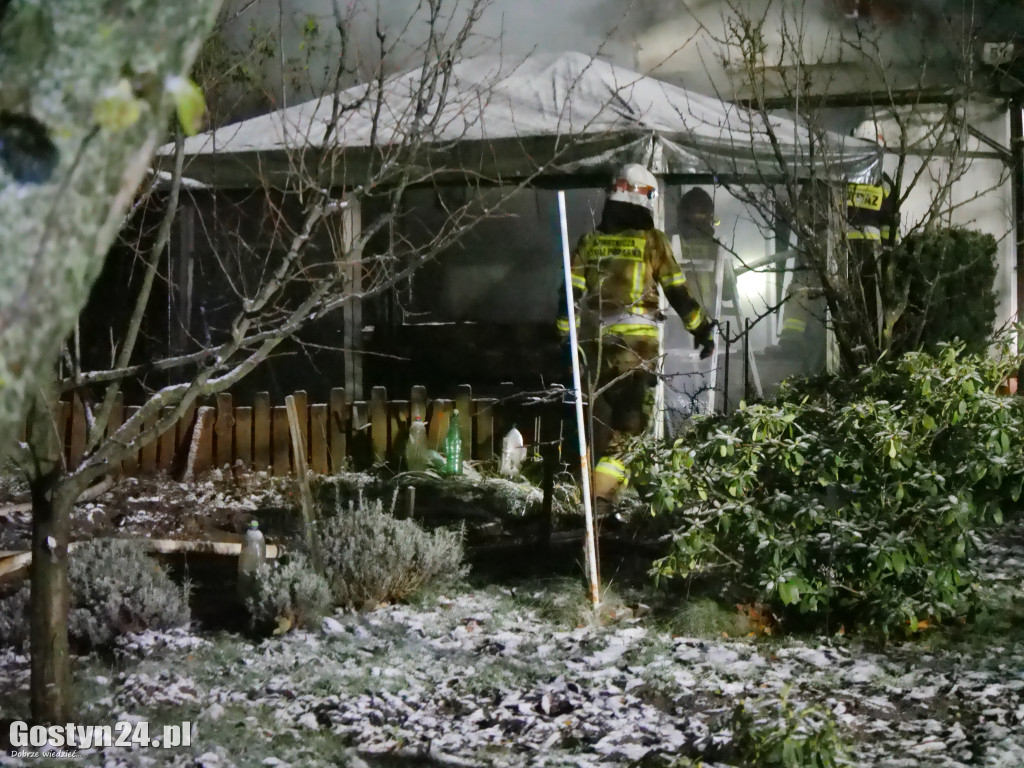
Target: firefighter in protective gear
{"points": [[700, 251], [616, 272], [871, 212], [803, 336], [871, 221]]}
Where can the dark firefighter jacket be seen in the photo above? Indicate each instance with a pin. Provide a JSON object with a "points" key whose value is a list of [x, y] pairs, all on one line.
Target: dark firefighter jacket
{"points": [[615, 277]]}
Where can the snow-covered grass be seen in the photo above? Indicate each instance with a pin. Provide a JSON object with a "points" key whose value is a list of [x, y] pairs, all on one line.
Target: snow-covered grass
{"points": [[528, 675], [493, 677]]}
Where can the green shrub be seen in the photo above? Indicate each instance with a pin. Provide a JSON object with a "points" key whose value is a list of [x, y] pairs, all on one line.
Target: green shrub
{"points": [[288, 594], [856, 501], [784, 735], [372, 557], [941, 269], [14, 618], [116, 588]]}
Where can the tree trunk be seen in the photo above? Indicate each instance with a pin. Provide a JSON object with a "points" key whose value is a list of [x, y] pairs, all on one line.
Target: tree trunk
{"points": [[88, 88], [50, 601]]}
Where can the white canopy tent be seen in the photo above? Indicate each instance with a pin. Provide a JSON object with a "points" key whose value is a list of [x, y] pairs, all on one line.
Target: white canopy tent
{"points": [[553, 115], [545, 119]]}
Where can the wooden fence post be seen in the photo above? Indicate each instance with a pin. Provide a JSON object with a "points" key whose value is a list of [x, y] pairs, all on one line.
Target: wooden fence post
{"points": [[114, 423], [398, 418], [261, 432], [418, 403], [360, 446], [440, 416], [484, 417], [243, 436], [148, 452], [463, 400], [338, 428], [379, 423], [319, 439], [302, 410], [225, 430], [76, 449], [280, 441], [166, 442]]}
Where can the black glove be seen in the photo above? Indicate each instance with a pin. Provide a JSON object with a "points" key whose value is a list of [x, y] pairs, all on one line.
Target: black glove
{"points": [[707, 348], [706, 338]]}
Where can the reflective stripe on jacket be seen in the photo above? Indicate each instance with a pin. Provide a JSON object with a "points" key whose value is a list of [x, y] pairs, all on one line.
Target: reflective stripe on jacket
{"points": [[617, 275]]}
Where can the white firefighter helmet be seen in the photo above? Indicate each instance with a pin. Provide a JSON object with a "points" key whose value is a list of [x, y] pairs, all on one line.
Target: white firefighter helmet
{"points": [[636, 185]]}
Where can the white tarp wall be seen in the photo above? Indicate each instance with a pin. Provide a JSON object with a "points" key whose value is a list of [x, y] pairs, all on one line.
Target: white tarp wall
{"points": [[980, 198]]}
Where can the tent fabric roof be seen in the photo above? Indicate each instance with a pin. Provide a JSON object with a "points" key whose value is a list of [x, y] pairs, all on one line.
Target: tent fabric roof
{"points": [[550, 114]]}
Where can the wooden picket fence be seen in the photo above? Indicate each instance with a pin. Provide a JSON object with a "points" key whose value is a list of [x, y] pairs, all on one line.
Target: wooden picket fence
{"points": [[335, 434]]}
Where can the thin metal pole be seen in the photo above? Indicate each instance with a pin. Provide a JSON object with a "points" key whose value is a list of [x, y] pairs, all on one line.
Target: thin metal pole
{"points": [[1017, 195], [588, 511], [746, 359], [725, 374]]}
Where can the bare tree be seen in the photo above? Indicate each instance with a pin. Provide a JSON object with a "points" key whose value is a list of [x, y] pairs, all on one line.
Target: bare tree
{"points": [[921, 89], [85, 98], [307, 257]]}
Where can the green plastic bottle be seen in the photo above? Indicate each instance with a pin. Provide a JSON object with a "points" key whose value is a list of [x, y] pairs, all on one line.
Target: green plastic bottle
{"points": [[453, 446]]}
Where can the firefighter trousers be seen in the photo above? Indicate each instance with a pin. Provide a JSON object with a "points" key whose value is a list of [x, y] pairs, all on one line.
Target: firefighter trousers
{"points": [[626, 380]]}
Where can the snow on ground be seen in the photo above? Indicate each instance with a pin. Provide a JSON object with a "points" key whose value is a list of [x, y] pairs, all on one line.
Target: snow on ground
{"points": [[483, 679], [487, 677]]}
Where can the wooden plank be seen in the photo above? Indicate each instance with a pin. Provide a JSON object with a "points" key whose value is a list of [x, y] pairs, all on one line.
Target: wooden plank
{"points": [[338, 415], [483, 415], [224, 431], [79, 428], [261, 432], [130, 466], [418, 403], [202, 449], [16, 564], [319, 453], [280, 441], [463, 399], [302, 412], [243, 436], [440, 415], [148, 452], [379, 423]]}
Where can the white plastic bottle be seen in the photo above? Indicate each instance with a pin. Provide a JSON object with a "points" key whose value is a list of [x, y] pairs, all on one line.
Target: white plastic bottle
{"points": [[417, 456], [254, 552], [513, 452]]}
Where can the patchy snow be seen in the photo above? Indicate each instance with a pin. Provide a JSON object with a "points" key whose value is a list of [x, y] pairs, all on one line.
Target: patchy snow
{"points": [[484, 678], [464, 681]]}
